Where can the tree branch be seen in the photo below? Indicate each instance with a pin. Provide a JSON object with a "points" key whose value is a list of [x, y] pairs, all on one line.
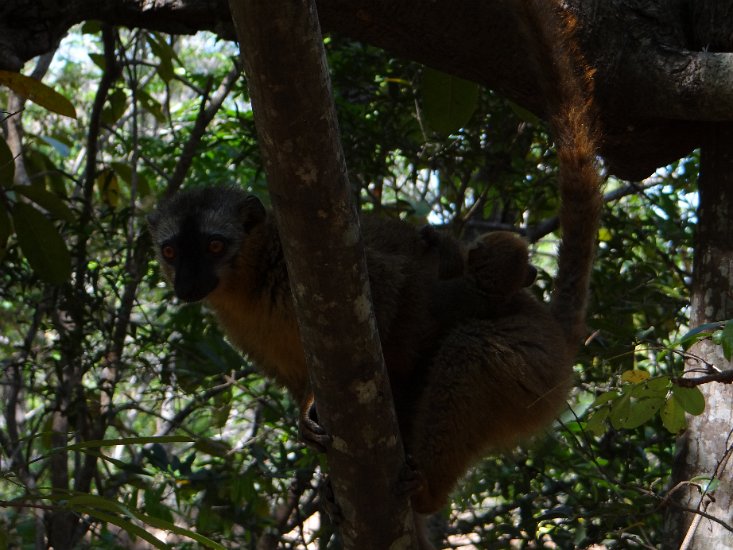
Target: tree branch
{"points": [[206, 114], [724, 377]]}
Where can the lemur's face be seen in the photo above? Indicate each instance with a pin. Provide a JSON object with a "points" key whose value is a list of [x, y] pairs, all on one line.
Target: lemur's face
{"points": [[198, 234]]}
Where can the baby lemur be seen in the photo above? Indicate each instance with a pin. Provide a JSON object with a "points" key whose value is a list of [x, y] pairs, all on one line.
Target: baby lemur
{"points": [[475, 362]]}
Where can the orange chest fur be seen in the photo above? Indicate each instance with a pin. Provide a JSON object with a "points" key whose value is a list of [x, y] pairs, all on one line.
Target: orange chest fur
{"points": [[265, 331]]}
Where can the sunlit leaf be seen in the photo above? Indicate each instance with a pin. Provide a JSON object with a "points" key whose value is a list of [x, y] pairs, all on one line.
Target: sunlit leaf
{"points": [[654, 387], [109, 188], [37, 92], [673, 416], [634, 376], [41, 244], [641, 411], [604, 235], [707, 483], [691, 399]]}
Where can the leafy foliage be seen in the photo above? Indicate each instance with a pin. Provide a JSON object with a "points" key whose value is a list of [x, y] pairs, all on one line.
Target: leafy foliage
{"points": [[128, 417]]}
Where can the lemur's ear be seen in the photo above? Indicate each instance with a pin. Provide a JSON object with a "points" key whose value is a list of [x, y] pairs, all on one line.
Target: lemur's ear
{"points": [[253, 212]]}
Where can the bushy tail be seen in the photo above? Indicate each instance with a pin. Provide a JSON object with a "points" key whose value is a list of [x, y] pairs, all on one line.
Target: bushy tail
{"points": [[566, 83]]}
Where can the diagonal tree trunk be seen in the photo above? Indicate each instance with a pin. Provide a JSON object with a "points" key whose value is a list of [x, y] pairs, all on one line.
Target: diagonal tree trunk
{"points": [[290, 88]]}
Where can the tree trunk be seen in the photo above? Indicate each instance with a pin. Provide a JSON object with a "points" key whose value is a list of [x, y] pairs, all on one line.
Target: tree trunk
{"points": [[285, 63], [705, 448]]}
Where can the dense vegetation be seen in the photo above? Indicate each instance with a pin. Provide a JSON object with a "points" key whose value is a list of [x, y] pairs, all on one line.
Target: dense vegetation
{"points": [[126, 416]]}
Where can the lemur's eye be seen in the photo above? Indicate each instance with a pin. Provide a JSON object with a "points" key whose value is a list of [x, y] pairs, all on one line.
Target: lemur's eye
{"points": [[168, 252], [216, 246]]}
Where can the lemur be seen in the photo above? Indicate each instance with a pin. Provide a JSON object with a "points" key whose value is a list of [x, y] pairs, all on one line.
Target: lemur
{"points": [[495, 369]]}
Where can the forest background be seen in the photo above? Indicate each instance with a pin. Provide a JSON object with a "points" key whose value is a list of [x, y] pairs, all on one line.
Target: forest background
{"points": [[127, 418]]}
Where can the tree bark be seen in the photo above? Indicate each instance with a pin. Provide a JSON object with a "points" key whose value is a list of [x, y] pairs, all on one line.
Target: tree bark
{"points": [[283, 54], [705, 448]]}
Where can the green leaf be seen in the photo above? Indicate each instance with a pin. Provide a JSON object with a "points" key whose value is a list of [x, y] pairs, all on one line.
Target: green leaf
{"points": [[130, 441], [98, 60], [448, 101], [108, 187], [690, 399], [154, 506], [707, 483], [115, 107], [91, 27], [151, 105], [605, 397], [124, 171], [698, 333], [596, 423], [41, 244], [61, 148], [654, 387], [168, 526], [48, 201], [641, 411], [634, 376], [524, 114], [128, 526], [620, 411], [37, 92], [727, 340], [97, 502], [673, 416], [165, 53]]}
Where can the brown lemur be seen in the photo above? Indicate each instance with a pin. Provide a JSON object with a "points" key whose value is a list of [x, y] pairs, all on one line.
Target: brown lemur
{"points": [[220, 244], [463, 383]]}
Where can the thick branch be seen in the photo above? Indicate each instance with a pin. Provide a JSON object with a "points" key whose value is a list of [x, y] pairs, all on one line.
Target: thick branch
{"points": [[663, 69], [283, 54]]}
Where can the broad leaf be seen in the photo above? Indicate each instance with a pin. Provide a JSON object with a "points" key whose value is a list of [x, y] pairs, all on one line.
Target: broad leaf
{"points": [[634, 376], [48, 201], [41, 244], [37, 92], [673, 416], [691, 399], [448, 101]]}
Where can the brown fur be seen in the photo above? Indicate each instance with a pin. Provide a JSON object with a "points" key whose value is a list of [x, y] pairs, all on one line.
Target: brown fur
{"points": [[497, 380]]}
